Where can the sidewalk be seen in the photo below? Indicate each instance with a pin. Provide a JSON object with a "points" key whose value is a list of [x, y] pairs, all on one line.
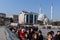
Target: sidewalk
{"points": [[2, 34], [6, 34]]}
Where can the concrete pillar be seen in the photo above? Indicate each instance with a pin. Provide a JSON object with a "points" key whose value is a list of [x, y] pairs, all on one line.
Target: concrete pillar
{"points": [[28, 19], [33, 19], [25, 18]]}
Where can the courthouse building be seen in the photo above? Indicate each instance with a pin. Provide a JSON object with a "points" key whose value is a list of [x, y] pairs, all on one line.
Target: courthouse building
{"points": [[28, 17]]}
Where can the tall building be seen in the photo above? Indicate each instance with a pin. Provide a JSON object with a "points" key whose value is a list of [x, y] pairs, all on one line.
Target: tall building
{"points": [[14, 17], [2, 15], [51, 8], [2, 18], [27, 17]]}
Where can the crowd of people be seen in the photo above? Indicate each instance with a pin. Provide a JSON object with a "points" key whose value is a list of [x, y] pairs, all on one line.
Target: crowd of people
{"points": [[31, 34]]}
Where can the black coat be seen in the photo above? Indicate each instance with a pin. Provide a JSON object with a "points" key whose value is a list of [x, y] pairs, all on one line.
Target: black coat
{"points": [[30, 35], [40, 37], [57, 37]]}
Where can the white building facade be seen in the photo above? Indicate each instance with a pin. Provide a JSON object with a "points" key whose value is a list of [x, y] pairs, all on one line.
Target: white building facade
{"points": [[28, 17]]}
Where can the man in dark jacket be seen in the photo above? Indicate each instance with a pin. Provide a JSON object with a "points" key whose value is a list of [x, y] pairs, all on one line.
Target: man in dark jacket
{"points": [[57, 36], [31, 32], [40, 36]]}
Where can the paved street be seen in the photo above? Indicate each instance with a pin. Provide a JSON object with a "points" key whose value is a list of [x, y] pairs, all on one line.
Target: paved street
{"points": [[6, 34], [2, 34]]}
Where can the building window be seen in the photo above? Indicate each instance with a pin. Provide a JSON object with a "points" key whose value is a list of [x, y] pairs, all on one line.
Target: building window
{"points": [[31, 19], [26, 19], [35, 18]]}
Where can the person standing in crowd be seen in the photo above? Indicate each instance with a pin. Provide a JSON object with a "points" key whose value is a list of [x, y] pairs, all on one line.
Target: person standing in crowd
{"points": [[35, 36], [22, 34], [49, 36], [52, 32], [19, 32], [57, 36], [31, 32], [27, 31], [26, 36], [40, 36]]}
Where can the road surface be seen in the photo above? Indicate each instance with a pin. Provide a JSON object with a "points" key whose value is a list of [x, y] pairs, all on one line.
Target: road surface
{"points": [[6, 34], [2, 34]]}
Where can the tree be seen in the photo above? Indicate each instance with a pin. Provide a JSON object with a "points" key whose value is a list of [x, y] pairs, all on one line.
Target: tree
{"points": [[11, 20]]}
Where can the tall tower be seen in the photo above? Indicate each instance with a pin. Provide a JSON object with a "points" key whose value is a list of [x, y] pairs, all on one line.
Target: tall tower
{"points": [[40, 10], [51, 11]]}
